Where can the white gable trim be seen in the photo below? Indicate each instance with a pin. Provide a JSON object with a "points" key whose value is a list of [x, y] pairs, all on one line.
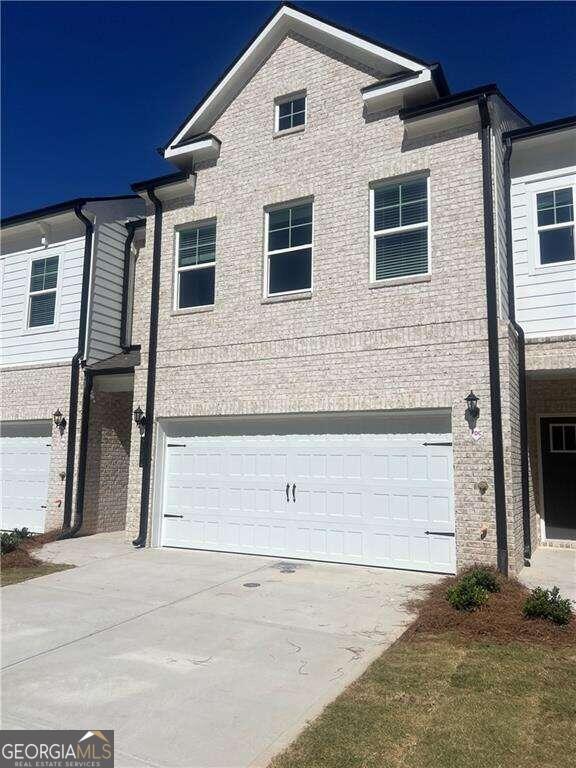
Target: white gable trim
{"points": [[289, 19]]}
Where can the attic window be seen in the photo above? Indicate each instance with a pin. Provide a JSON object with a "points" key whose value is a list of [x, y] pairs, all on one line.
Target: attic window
{"points": [[290, 112]]}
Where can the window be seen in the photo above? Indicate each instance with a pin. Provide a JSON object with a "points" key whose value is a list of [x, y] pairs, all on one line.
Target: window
{"points": [[563, 438], [289, 249], [195, 267], [43, 286], [555, 213], [400, 229], [290, 113]]}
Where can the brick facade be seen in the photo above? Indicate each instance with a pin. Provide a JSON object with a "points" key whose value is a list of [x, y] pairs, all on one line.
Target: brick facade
{"points": [[107, 462], [349, 347]]}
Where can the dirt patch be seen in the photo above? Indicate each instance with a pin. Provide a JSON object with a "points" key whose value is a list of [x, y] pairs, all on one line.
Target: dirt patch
{"points": [[500, 620], [22, 563]]}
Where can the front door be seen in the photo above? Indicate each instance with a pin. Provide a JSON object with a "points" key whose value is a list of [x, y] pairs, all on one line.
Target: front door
{"points": [[558, 440]]}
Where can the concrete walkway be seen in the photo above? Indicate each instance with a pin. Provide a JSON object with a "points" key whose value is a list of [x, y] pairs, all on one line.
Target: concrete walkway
{"points": [[195, 659], [552, 568]]}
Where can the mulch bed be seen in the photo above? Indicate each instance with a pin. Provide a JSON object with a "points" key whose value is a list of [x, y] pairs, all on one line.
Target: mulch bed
{"points": [[500, 620], [22, 556]]}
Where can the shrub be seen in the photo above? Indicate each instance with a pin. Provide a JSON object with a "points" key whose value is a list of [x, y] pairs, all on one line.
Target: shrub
{"points": [[466, 595], [485, 578], [9, 540], [547, 604]]}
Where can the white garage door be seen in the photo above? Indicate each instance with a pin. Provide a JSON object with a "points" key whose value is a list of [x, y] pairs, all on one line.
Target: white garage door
{"points": [[374, 500], [24, 463]]}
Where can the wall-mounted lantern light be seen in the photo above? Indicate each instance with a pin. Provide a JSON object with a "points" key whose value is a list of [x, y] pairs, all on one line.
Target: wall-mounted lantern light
{"points": [[140, 420], [59, 420], [472, 410]]}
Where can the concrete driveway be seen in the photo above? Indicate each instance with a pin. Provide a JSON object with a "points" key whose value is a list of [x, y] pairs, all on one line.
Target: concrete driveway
{"points": [[195, 659]]}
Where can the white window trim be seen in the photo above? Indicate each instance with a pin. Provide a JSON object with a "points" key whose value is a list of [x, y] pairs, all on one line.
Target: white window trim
{"points": [[559, 424], [283, 100], [177, 269], [267, 253], [419, 276], [34, 329], [533, 188]]}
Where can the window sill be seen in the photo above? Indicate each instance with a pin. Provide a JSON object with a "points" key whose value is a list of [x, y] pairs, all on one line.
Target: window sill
{"points": [[33, 330], [408, 280], [302, 295], [191, 311], [289, 131]]}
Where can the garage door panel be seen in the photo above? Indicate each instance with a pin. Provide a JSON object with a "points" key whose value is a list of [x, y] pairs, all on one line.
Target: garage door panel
{"points": [[24, 470], [372, 501]]}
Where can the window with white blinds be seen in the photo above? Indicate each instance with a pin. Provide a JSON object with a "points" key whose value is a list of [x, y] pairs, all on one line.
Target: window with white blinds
{"points": [[43, 288], [195, 266], [400, 229]]}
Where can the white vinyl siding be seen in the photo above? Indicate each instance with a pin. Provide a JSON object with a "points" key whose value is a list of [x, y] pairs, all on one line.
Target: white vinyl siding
{"points": [[106, 291], [195, 266], [21, 344], [545, 294], [399, 218]]}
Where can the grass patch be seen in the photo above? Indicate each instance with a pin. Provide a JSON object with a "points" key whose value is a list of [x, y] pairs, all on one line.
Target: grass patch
{"points": [[17, 574], [458, 690], [21, 564]]}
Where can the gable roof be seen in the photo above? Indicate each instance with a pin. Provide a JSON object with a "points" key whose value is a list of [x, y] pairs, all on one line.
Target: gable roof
{"points": [[289, 18]]}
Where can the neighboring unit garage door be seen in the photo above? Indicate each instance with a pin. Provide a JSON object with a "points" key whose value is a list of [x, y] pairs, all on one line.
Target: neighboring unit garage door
{"points": [[24, 463], [372, 500]]}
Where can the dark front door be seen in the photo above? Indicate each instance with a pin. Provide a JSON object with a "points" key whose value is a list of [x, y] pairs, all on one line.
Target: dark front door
{"points": [[558, 440]]}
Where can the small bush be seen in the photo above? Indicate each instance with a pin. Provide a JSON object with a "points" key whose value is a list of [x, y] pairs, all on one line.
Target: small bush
{"points": [[9, 540], [547, 604], [466, 595], [485, 578]]}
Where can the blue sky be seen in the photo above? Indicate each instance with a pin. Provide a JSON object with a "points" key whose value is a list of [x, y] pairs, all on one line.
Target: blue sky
{"points": [[89, 90]]}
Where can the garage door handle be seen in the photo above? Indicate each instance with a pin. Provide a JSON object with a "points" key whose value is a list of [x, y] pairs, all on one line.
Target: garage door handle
{"points": [[287, 491], [439, 533], [173, 515], [294, 492]]}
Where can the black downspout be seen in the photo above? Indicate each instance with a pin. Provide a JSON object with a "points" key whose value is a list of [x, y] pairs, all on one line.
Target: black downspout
{"points": [[75, 372], [130, 226], [522, 395], [493, 354], [140, 541], [86, 399]]}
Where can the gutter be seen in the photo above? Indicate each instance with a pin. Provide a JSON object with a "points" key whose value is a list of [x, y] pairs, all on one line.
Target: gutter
{"points": [[146, 449], [75, 373], [493, 353], [522, 396]]}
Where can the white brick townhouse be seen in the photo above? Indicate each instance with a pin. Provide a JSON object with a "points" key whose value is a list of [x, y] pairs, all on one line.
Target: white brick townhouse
{"points": [[345, 352]]}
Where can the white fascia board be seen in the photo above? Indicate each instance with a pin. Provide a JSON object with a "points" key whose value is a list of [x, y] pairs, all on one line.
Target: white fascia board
{"points": [[460, 116], [204, 149], [288, 19], [374, 97]]}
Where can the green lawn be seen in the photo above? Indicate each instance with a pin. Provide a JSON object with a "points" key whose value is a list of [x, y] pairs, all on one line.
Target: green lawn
{"points": [[14, 575], [444, 702]]}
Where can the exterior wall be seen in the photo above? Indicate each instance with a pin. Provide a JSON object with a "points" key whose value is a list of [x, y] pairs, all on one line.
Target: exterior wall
{"points": [[546, 397], [105, 308], [106, 295], [33, 394], [349, 346], [503, 119], [551, 354], [20, 345], [545, 294], [108, 462]]}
